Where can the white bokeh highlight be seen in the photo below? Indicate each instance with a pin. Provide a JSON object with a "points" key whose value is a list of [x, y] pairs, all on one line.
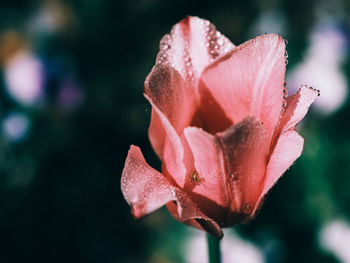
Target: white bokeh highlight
{"points": [[335, 238], [234, 249], [24, 77], [15, 126], [321, 69]]}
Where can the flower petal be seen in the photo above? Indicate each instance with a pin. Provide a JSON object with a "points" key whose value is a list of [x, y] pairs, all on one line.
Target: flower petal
{"points": [[172, 95], [157, 134], [297, 107], [192, 44], [248, 81], [169, 146], [288, 148], [186, 211], [245, 147], [205, 180], [146, 190]]}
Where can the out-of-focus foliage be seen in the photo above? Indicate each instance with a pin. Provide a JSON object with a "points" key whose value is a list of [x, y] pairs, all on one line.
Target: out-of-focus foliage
{"points": [[71, 103]]}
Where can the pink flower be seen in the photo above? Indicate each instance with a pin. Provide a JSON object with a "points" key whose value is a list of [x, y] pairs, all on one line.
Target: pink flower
{"points": [[220, 125]]}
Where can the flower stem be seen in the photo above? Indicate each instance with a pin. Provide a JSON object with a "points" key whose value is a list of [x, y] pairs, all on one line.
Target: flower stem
{"points": [[213, 249]]}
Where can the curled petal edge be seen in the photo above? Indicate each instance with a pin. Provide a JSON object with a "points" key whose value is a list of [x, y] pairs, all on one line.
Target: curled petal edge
{"points": [[297, 107]]}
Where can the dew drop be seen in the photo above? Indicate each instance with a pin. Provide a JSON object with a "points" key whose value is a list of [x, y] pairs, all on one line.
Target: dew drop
{"points": [[164, 46], [284, 103], [234, 177], [236, 174], [286, 57], [247, 208], [220, 41], [215, 42], [188, 61], [214, 53]]}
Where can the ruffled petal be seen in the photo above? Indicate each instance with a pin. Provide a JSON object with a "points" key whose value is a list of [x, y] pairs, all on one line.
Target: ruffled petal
{"points": [[245, 148], [288, 148], [169, 146], [192, 44], [205, 180], [146, 190], [248, 81], [297, 107]]}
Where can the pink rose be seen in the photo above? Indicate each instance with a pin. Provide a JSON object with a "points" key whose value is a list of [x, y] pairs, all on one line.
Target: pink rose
{"points": [[221, 124]]}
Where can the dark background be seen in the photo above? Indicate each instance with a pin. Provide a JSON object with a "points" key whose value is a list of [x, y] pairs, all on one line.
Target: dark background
{"points": [[60, 198]]}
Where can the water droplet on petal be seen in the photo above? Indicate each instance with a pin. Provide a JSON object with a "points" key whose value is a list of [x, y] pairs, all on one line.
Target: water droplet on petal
{"points": [[247, 208], [164, 46], [220, 41], [234, 177], [286, 57], [285, 91], [284, 103]]}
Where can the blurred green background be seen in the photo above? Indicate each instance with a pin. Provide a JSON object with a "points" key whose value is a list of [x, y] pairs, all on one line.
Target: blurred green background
{"points": [[71, 103]]}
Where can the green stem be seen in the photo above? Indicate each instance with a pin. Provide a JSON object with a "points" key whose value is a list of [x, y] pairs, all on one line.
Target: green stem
{"points": [[213, 249]]}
